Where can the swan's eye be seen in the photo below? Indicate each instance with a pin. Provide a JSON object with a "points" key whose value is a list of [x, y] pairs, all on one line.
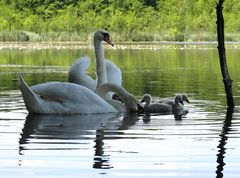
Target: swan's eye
{"points": [[106, 38], [105, 35]]}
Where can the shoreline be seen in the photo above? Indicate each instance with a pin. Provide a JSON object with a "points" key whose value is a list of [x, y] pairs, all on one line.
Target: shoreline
{"points": [[118, 45]]}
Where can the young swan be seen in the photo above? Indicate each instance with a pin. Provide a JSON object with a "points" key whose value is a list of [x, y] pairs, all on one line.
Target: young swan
{"points": [[175, 107], [155, 107], [177, 99], [178, 107]]}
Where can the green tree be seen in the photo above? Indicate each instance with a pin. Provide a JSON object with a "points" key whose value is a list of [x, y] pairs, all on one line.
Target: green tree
{"points": [[130, 19]]}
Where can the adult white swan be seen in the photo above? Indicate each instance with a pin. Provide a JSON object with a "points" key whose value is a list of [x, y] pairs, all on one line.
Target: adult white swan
{"points": [[70, 98], [107, 72]]}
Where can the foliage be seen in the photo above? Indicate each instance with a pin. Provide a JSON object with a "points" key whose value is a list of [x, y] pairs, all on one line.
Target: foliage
{"points": [[130, 20]]}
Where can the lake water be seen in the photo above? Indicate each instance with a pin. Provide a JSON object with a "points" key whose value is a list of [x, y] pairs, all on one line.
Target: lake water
{"points": [[202, 144]]}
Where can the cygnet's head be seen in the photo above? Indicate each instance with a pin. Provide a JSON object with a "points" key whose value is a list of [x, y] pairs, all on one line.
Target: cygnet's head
{"points": [[180, 99], [184, 98], [103, 35], [146, 98]]}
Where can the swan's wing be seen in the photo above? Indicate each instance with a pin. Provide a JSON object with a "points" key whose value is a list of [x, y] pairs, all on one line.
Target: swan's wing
{"points": [[158, 108], [77, 73], [62, 98], [114, 74], [65, 92], [166, 101], [35, 104]]}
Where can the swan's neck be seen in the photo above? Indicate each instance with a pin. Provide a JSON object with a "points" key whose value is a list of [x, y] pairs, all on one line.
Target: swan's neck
{"points": [[130, 102], [100, 62], [148, 102]]}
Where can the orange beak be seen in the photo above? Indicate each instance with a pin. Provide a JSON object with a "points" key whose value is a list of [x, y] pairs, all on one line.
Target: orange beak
{"points": [[107, 40]]}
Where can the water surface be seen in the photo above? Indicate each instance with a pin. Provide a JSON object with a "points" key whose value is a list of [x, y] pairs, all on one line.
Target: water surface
{"points": [[202, 144]]}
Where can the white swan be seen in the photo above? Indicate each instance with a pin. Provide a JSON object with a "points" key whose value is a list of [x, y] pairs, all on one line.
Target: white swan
{"points": [[70, 98], [107, 72]]}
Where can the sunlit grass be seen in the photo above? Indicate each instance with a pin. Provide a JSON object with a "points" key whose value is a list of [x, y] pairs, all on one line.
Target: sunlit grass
{"points": [[65, 36]]}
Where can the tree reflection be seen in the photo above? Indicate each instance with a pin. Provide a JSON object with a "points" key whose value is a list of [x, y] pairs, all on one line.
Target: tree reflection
{"points": [[101, 161], [223, 141]]}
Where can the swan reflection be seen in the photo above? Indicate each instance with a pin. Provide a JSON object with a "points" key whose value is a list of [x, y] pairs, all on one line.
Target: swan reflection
{"points": [[54, 132], [101, 160]]}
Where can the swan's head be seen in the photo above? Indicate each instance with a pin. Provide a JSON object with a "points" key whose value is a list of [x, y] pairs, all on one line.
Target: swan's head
{"points": [[146, 98], [180, 99], [103, 35], [184, 98]]}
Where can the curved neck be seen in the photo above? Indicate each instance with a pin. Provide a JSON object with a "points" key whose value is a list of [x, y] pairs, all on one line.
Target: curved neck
{"points": [[148, 102], [130, 102], [100, 62]]}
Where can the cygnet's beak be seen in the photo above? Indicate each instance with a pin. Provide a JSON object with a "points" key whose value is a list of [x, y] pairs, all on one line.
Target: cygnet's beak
{"points": [[187, 100], [108, 41], [142, 101]]}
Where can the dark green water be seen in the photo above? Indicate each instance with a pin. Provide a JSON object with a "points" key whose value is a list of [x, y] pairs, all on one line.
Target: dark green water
{"points": [[117, 145]]}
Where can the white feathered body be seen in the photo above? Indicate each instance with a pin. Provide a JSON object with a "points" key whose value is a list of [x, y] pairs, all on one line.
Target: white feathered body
{"points": [[62, 98]]}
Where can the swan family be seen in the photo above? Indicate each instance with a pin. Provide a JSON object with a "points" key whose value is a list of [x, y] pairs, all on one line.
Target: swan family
{"points": [[82, 94]]}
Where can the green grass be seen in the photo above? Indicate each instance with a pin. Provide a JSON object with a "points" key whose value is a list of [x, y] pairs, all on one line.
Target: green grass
{"points": [[22, 36], [25, 36]]}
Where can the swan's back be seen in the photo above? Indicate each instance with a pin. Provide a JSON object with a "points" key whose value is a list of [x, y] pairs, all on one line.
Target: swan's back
{"points": [[62, 98], [158, 108], [166, 101], [62, 91]]}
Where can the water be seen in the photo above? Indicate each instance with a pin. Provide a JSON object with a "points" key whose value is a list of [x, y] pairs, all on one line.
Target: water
{"points": [[203, 144]]}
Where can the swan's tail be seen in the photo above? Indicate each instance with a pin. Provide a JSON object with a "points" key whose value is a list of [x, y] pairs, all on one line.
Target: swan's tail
{"points": [[29, 97]]}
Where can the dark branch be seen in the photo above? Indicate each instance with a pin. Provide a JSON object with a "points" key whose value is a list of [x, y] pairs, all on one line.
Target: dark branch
{"points": [[222, 55]]}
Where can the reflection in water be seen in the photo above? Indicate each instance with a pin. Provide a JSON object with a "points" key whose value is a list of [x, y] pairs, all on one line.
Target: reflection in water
{"points": [[56, 146], [223, 141], [75, 127], [178, 115], [102, 161], [64, 129]]}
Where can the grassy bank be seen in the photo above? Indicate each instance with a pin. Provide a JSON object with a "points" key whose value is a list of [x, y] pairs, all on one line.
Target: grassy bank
{"points": [[19, 36], [25, 36]]}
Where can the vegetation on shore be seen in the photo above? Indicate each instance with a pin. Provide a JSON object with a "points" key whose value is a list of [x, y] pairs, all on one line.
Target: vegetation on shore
{"points": [[129, 20]]}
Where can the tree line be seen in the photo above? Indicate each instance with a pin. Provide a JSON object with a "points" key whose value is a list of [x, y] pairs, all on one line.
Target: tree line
{"points": [[129, 20]]}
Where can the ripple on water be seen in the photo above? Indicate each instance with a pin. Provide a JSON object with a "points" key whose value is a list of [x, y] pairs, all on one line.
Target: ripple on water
{"points": [[115, 145]]}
